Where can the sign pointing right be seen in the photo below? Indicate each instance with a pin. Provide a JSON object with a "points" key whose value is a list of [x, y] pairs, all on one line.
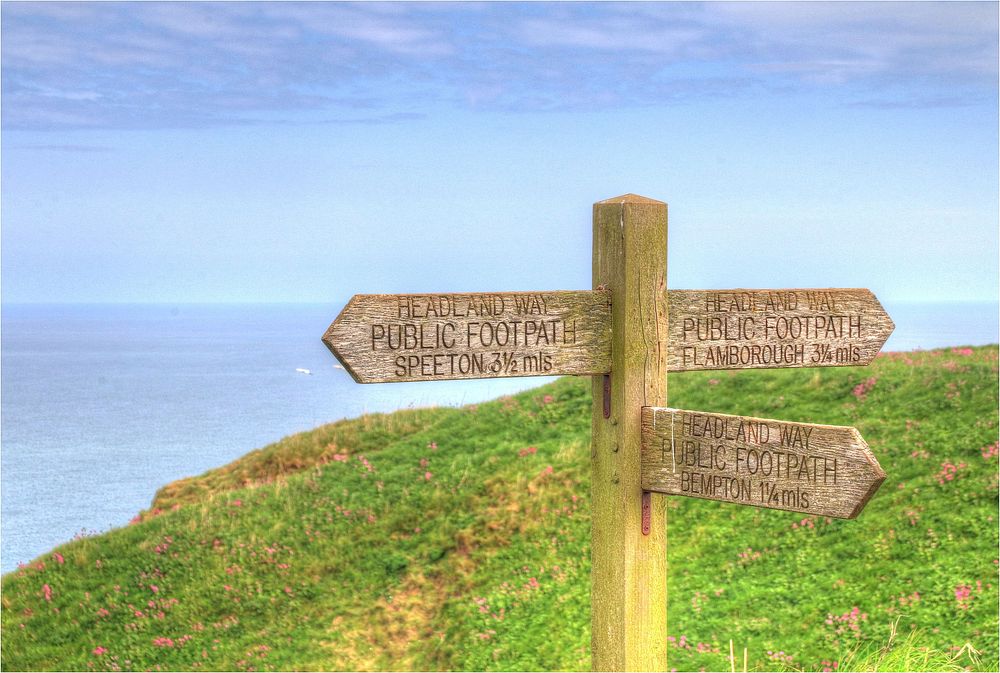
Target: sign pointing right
{"points": [[751, 329], [826, 470]]}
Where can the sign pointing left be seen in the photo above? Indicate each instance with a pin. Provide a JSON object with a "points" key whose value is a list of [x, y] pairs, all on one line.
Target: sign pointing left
{"points": [[381, 338]]}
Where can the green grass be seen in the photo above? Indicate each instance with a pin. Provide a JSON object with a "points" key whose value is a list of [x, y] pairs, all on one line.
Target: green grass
{"points": [[458, 539]]}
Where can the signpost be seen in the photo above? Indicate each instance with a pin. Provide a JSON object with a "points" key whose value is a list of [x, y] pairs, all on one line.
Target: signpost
{"points": [[381, 338], [628, 527], [799, 467], [749, 329], [627, 333]]}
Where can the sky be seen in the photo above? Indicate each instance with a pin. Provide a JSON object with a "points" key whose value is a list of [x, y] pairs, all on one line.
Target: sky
{"points": [[305, 152]]}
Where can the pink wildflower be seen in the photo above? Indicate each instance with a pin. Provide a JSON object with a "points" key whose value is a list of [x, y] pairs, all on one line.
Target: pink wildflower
{"points": [[427, 476], [948, 471], [432, 446], [962, 351], [47, 592], [780, 656], [548, 399], [58, 557], [861, 390], [849, 622], [527, 451], [963, 596], [98, 651], [991, 451]]}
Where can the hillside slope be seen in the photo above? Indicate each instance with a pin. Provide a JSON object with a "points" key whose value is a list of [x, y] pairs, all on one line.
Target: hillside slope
{"points": [[458, 539]]}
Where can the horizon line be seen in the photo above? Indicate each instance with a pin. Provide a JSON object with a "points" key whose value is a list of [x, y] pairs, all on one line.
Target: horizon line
{"points": [[303, 302]]}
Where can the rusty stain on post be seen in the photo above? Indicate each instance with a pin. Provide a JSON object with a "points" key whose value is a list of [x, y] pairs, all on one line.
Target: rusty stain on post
{"points": [[647, 506]]}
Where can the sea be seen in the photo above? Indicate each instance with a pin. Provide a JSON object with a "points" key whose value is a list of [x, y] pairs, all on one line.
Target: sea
{"points": [[101, 405]]}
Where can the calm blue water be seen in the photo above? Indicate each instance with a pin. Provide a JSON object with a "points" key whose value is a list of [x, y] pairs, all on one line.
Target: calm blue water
{"points": [[102, 405]]}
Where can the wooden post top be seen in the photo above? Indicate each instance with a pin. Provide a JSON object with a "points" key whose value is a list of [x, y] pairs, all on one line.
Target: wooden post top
{"points": [[630, 198]]}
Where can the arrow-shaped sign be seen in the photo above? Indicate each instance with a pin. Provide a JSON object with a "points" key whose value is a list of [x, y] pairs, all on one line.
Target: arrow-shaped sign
{"points": [[826, 470], [414, 337], [749, 329], [409, 337]]}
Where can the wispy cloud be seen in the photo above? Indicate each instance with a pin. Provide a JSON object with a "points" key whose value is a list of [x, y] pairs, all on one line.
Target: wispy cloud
{"points": [[194, 64], [850, 41], [75, 149], [153, 64]]}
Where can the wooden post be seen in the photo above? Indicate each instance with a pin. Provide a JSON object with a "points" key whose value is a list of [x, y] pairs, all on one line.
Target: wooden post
{"points": [[629, 568]]}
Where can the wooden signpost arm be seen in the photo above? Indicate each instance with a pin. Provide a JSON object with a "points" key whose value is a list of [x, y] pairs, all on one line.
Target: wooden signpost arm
{"points": [[628, 567]]}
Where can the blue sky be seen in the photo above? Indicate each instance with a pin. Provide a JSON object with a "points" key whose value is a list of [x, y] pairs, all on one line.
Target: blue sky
{"points": [[306, 151]]}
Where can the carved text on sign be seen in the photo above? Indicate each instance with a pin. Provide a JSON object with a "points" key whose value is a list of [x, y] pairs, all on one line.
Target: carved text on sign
{"points": [[745, 329], [817, 469], [477, 335]]}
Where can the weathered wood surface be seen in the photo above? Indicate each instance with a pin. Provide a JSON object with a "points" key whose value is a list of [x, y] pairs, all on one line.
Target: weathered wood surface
{"points": [[628, 569], [825, 470], [750, 329], [423, 337]]}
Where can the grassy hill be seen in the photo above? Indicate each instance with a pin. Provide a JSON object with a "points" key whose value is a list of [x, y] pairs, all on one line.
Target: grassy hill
{"points": [[458, 539]]}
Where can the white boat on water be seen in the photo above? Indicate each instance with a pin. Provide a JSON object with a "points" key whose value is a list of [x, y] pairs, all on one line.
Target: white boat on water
{"points": [[300, 370], [338, 366]]}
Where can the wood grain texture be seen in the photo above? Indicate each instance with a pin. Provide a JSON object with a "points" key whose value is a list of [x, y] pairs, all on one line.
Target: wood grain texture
{"points": [[628, 569], [825, 470], [751, 329], [382, 338]]}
